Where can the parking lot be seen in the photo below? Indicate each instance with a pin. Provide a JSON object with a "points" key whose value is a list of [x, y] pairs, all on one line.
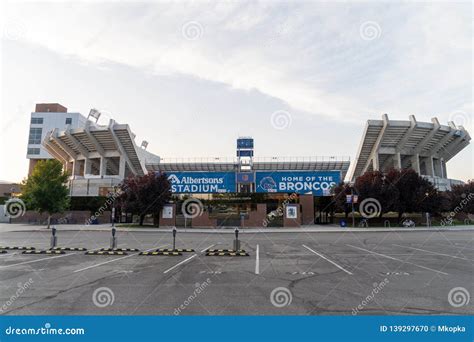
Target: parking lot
{"points": [[323, 273]]}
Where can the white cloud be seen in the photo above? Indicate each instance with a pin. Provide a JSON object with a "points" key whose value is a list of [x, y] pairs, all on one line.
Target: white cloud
{"points": [[308, 55]]}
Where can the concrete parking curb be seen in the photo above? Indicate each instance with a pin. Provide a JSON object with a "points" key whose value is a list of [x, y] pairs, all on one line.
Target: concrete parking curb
{"points": [[48, 251], [105, 253]]}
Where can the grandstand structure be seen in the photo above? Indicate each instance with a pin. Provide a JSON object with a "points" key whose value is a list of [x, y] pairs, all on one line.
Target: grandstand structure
{"points": [[425, 147], [98, 157]]}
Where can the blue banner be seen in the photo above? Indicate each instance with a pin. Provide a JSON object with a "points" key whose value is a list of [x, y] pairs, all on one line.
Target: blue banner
{"points": [[202, 182], [237, 328], [245, 177], [318, 183]]}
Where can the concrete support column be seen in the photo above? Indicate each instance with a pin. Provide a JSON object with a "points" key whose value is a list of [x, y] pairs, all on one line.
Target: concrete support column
{"points": [[375, 162], [441, 168], [69, 168], [103, 166], [87, 166], [415, 163], [430, 166], [122, 167], [398, 160]]}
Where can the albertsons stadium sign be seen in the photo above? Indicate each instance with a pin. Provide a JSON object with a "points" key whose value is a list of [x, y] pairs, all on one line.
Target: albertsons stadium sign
{"points": [[202, 182]]}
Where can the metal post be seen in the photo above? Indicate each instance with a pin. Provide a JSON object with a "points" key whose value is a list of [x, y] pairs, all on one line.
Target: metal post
{"points": [[113, 216], [428, 221], [54, 239], [174, 238], [352, 204], [113, 239], [236, 241]]}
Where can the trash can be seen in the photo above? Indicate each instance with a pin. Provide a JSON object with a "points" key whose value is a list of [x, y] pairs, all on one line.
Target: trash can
{"points": [[343, 223]]}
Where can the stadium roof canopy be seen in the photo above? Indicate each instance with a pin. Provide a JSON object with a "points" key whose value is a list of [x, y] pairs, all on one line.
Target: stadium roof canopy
{"points": [[258, 164], [424, 146], [113, 143]]}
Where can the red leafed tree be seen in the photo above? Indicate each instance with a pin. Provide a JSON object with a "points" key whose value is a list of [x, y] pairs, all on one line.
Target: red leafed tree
{"points": [[143, 195], [380, 186]]}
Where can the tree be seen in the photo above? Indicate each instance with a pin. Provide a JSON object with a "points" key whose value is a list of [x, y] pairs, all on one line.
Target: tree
{"points": [[45, 189], [379, 186], [461, 198], [339, 192], [143, 195]]}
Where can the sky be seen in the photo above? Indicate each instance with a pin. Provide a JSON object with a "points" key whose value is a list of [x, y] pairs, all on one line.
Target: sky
{"points": [[301, 77]]}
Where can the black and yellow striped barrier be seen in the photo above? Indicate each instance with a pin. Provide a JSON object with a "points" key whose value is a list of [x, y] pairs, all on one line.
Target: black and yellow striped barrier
{"points": [[100, 252], [161, 253], [18, 248], [68, 249], [228, 253], [181, 250], [120, 249], [224, 250], [47, 251]]}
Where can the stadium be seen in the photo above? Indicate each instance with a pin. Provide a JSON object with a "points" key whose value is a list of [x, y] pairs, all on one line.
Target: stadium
{"points": [[242, 187]]}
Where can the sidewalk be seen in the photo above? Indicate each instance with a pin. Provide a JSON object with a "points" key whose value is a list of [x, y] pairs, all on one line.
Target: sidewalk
{"points": [[5, 227]]}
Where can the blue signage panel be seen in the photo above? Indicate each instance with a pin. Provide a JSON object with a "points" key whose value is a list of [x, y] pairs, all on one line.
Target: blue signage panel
{"points": [[245, 143], [244, 153], [202, 182], [317, 183]]}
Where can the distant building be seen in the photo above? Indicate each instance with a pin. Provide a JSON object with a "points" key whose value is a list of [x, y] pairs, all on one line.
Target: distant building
{"points": [[8, 189], [45, 118]]}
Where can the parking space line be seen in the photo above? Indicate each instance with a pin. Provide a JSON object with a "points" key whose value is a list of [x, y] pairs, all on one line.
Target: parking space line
{"points": [[180, 263], [257, 261], [32, 261], [208, 248], [332, 262], [109, 261], [424, 250], [405, 262]]}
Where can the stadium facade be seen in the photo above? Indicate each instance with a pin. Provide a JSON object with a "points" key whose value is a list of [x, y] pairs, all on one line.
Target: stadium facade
{"points": [[98, 157]]}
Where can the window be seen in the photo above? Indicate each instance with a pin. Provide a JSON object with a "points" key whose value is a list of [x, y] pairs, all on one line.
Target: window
{"points": [[33, 150], [68, 121], [37, 121], [35, 135]]}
